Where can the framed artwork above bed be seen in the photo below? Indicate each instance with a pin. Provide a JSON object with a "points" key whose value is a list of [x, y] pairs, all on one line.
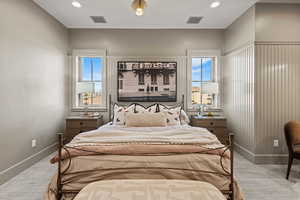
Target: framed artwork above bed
{"points": [[144, 81]]}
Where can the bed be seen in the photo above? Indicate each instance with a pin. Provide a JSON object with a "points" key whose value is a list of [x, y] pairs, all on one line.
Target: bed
{"points": [[117, 152]]}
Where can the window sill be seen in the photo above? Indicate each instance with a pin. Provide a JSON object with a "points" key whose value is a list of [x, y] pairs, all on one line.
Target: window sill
{"points": [[92, 109], [191, 109]]}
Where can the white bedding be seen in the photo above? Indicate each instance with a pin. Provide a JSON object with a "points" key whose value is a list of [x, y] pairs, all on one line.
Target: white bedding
{"points": [[154, 135]]}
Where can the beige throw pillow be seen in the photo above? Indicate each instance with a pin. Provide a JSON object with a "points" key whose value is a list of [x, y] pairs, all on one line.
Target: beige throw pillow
{"points": [[145, 119]]}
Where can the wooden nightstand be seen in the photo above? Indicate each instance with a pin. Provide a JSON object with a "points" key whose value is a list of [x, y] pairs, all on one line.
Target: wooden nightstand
{"points": [[79, 124], [215, 125]]}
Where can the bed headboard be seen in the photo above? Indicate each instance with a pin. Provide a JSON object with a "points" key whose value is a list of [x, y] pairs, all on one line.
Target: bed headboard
{"points": [[111, 105]]}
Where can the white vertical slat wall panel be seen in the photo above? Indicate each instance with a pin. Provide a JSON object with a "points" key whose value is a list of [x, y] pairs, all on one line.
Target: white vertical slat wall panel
{"points": [[238, 95], [277, 94]]}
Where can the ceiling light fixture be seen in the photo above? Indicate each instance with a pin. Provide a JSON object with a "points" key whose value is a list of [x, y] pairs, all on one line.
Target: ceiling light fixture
{"points": [[76, 4], [215, 4], [139, 6]]}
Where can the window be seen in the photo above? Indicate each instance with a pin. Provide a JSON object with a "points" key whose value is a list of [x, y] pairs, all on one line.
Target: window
{"points": [[204, 87], [166, 79], [121, 84], [154, 79], [141, 79], [88, 79]]}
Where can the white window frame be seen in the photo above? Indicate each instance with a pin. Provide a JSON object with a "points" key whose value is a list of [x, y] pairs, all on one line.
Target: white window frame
{"points": [[88, 53], [217, 75]]}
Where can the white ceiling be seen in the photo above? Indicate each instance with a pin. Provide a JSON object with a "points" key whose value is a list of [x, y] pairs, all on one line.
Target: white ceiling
{"points": [[159, 13]]}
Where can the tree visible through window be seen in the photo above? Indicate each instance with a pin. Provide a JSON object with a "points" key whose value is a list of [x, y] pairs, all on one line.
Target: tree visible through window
{"points": [[204, 89], [89, 81]]}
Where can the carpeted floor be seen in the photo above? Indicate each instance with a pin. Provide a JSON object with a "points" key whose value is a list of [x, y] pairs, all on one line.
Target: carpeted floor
{"points": [[258, 182]]}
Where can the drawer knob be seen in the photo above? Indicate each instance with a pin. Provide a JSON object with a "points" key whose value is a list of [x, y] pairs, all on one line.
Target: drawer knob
{"points": [[212, 131], [81, 123], [211, 123]]}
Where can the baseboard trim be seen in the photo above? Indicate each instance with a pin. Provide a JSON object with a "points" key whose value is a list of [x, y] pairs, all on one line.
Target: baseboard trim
{"points": [[263, 159], [271, 159], [244, 152], [14, 170]]}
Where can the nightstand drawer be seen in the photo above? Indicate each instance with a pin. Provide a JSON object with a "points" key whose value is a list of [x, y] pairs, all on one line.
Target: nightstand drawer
{"points": [[79, 124], [221, 133], [209, 123], [82, 123], [71, 132], [218, 131], [216, 126]]}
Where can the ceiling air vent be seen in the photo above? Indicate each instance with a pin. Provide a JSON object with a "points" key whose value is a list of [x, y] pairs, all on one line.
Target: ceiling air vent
{"points": [[194, 20], [98, 19]]}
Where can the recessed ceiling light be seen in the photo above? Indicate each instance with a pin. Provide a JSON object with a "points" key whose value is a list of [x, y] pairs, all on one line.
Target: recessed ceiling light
{"points": [[76, 4], [215, 4]]}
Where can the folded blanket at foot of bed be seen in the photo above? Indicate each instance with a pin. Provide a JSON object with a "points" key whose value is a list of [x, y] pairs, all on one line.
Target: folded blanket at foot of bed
{"points": [[150, 189]]}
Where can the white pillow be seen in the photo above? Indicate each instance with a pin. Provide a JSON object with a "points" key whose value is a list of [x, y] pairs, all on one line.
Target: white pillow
{"points": [[119, 114], [145, 119], [184, 118], [139, 109], [153, 108], [173, 115]]}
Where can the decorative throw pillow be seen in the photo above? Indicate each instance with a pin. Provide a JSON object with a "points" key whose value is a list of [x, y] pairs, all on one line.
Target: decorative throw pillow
{"points": [[139, 109], [173, 115], [184, 118], [145, 119], [119, 113], [153, 108]]}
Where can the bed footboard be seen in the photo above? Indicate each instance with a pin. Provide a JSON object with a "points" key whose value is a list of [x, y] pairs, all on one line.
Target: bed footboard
{"points": [[230, 193]]}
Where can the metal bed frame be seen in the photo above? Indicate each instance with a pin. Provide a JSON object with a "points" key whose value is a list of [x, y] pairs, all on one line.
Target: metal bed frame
{"points": [[229, 174]]}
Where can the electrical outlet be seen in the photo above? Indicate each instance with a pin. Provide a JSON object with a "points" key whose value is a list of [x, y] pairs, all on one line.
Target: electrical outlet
{"points": [[33, 143], [276, 143]]}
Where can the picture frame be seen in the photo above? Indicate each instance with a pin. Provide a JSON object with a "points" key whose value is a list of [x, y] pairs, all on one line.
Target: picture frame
{"points": [[147, 81]]}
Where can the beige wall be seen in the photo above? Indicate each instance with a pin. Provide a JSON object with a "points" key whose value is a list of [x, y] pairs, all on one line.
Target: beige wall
{"points": [[238, 84], [238, 80], [276, 87], [241, 32], [277, 74], [277, 22], [151, 45], [152, 42], [32, 82], [277, 94]]}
